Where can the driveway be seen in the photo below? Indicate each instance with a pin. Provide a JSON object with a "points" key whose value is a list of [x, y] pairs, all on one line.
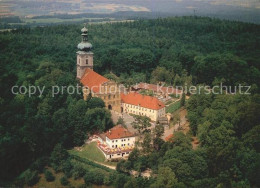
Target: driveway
{"points": [[126, 117]]}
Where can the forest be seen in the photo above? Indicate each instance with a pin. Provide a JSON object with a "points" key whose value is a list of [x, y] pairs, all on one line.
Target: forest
{"points": [[35, 131]]}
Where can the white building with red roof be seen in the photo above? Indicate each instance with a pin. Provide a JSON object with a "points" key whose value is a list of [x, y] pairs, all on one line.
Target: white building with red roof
{"points": [[117, 142], [143, 105]]}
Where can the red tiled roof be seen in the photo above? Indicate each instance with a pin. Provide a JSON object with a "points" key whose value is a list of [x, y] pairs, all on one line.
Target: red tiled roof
{"points": [[157, 88], [142, 100], [169, 138], [118, 132], [92, 80]]}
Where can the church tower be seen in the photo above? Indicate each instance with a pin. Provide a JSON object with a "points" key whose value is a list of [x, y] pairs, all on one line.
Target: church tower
{"points": [[84, 55]]}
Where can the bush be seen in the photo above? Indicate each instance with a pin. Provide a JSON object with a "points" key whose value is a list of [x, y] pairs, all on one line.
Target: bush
{"points": [[49, 176], [120, 180], [58, 156], [67, 167], [78, 171], [39, 164], [30, 177], [96, 177], [106, 180], [64, 181], [88, 178]]}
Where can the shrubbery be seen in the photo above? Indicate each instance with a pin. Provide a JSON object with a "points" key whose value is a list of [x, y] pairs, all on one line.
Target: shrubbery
{"points": [[67, 167], [49, 176], [94, 177], [29, 178], [78, 171], [39, 164], [64, 181]]}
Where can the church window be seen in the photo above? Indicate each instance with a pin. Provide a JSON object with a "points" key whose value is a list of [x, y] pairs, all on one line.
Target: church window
{"points": [[86, 61]]}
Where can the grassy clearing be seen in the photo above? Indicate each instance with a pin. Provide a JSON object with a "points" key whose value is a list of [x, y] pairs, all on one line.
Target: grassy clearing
{"points": [[173, 107], [91, 152]]}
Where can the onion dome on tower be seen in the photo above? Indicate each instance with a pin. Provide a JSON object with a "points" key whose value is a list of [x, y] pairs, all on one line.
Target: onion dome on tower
{"points": [[84, 45]]}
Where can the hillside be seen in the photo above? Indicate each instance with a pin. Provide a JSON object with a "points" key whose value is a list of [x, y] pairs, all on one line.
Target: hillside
{"points": [[173, 50]]}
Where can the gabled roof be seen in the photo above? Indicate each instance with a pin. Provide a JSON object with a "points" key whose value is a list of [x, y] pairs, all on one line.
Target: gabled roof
{"points": [[118, 132], [142, 101], [92, 80]]}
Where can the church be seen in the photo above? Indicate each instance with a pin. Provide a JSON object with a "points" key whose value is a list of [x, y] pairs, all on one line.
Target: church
{"points": [[93, 82]]}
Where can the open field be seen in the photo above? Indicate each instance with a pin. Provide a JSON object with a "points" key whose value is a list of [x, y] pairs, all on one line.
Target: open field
{"points": [[91, 152], [54, 21], [59, 20]]}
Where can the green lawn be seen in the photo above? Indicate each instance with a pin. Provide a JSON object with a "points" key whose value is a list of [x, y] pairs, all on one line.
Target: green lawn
{"points": [[91, 152], [173, 107]]}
